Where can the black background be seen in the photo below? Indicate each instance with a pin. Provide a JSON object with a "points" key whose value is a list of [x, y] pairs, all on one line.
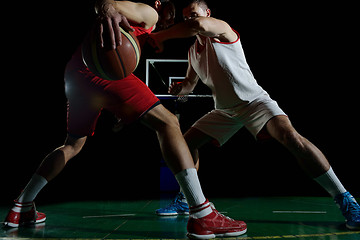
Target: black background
{"points": [[304, 55]]}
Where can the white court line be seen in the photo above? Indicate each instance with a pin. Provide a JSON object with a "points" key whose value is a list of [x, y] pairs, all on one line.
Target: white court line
{"points": [[304, 212], [116, 215]]}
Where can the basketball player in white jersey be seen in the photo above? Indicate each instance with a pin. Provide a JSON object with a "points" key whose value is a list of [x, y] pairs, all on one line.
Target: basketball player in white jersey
{"points": [[217, 58]]}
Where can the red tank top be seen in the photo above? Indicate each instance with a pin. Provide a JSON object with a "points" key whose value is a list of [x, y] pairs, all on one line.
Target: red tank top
{"points": [[142, 34]]}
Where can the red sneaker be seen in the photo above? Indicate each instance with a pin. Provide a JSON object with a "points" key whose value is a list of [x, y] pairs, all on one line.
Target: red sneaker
{"points": [[214, 225], [23, 214]]}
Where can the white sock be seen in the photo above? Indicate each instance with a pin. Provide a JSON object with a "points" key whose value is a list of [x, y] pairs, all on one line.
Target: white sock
{"points": [[32, 189], [19, 207], [190, 186], [331, 183]]}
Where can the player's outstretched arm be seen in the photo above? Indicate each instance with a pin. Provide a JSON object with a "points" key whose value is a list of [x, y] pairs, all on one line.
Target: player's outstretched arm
{"points": [[205, 26], [212, 27]]}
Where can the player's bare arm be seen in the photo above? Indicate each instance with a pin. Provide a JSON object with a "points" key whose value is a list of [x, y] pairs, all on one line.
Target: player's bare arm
{"points": [[212, 27], [137, 12], [203, 26], [187, 85]]}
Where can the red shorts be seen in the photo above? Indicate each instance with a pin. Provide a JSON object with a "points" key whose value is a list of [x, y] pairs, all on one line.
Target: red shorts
{"points": [[87, 95]]}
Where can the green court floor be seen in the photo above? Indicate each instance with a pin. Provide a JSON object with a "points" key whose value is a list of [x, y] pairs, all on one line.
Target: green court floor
{"points": [[267, 218]]}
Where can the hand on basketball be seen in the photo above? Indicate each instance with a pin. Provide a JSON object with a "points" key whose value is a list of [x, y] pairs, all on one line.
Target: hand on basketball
{"points": [[175, 88], [110, 20]]}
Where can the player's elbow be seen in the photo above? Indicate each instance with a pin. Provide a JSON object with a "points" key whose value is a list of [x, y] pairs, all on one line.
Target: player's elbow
{"points": [[198, 24]]}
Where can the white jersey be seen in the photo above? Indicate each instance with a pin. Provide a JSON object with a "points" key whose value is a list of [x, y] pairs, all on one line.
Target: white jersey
{"points": [[223, 68]]}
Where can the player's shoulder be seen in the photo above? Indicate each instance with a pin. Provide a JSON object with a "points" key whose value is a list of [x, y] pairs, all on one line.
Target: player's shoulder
{"points": [[140, 13], [149, 14]]}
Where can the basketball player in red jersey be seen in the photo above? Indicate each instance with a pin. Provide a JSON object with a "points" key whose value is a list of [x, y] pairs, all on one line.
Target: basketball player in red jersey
{"points": [[130, 100], [217, 58]]}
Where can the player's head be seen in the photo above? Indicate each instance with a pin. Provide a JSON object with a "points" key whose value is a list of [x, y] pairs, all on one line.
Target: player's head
{"points": [[195, 8], [166, 11]]}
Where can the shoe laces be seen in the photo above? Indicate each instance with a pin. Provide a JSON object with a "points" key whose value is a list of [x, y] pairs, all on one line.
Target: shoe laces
{"points": [[220, 214], [349, 207], [178, 199]]}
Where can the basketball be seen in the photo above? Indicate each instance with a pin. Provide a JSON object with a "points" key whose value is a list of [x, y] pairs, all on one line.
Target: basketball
{"points": [[108, 63]]}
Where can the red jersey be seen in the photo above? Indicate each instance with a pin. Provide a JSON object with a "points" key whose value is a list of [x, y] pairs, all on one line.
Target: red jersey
{"points": [[128, 98], [142, 34]]}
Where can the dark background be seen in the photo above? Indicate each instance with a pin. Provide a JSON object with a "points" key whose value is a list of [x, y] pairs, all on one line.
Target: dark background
{"points": [[304, 55]]}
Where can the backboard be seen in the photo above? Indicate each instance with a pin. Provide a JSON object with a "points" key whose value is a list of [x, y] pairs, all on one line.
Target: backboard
{"points": [[160, 73]]}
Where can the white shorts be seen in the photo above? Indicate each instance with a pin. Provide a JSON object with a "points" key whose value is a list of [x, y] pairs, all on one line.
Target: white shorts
{"points": [[222, 124]]}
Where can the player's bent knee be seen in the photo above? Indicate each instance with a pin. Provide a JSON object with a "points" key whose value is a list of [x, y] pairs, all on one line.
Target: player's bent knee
{"points": [[73, 145], [160, 119], [170, 122], [292, 140], [173, 121]]}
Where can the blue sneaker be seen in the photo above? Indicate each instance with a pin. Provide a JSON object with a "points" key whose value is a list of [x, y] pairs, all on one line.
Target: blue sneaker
{"points": [[177, 206], [350, 209]]}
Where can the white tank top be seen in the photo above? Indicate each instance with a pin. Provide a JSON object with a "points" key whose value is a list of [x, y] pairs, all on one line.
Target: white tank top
{"points": [[223, 68]]}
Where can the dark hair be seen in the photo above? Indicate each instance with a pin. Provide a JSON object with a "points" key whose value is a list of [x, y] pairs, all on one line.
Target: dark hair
{"points": [[202, 3], [165, 3]]}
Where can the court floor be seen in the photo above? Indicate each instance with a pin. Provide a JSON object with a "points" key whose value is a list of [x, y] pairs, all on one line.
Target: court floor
{"points": [[305, 218]]}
